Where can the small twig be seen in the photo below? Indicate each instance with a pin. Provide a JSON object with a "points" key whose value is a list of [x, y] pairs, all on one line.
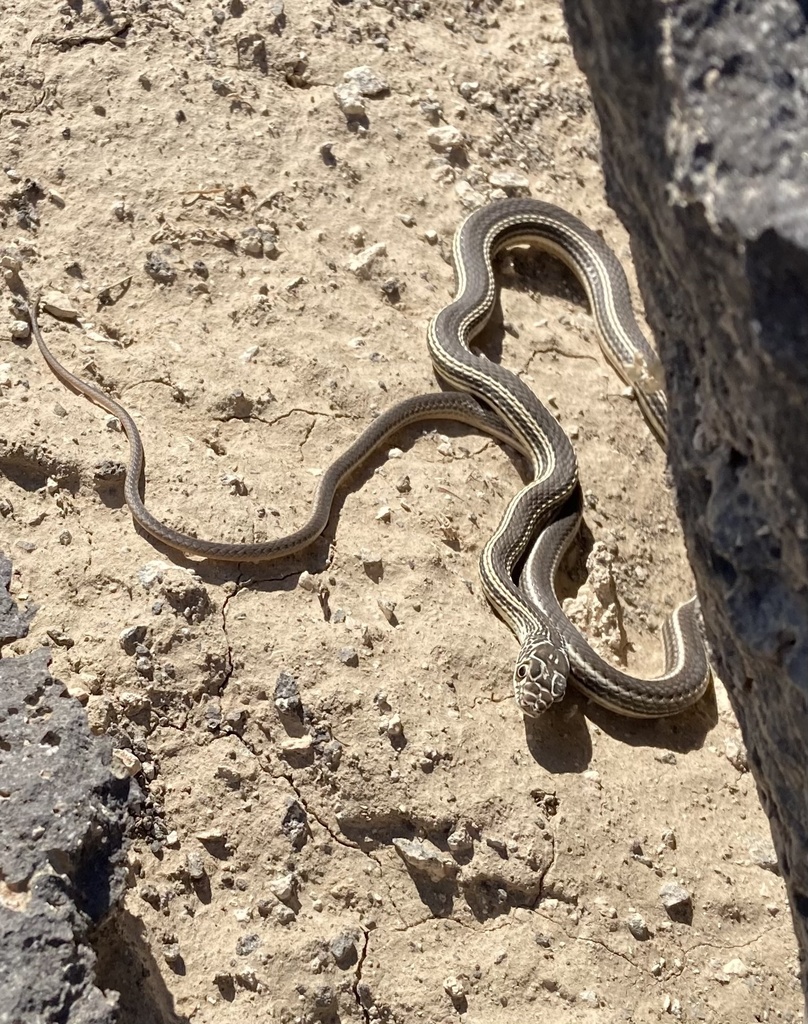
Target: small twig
{"points": [[105, 297]]}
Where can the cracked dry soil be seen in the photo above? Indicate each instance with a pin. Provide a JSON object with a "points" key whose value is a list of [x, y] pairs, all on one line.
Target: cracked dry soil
{"points": [[347, 819]]}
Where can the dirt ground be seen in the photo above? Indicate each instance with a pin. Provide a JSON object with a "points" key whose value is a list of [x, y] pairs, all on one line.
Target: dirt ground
{"points": [[345, 816]]}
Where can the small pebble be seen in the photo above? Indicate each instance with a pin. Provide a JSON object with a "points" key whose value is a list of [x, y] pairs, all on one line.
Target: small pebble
{"points": [[392, 289], [367, 81], [287, 696], [361, 265], [371, 562], [195, 866], [454, 989], [388, 610], [392, 726], [446, 138], [308, 582], [282, 887], [736, 755], [425, 858], [350, 100], [637, 926], [247, 944], [762, 853], [59, 305], [159, 269], [296, 745], [736, 968], [172, 954], [459, 841], [509, 182], [348, 657], [343, 949], [675, 898], [127, 762], [486, 100]]}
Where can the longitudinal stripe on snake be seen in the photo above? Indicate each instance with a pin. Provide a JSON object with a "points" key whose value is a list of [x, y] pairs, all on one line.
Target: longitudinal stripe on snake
{"points": [[545, 509]]}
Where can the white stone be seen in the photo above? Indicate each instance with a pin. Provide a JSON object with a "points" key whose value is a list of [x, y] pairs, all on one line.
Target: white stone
{"points": [[425, 857], [349, 99], [508, 181], [445, 138], [362, 264], [366, 81]]}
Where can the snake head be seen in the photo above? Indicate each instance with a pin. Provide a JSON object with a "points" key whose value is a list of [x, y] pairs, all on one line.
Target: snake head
{"points": [[540, 676]]}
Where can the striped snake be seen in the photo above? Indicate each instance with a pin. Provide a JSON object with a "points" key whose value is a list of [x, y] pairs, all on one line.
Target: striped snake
{"points": [[548, 508]]}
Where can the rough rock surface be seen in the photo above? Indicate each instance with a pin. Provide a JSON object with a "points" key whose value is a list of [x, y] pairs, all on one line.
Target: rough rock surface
{"points": [[704, 114], [63, 820]]}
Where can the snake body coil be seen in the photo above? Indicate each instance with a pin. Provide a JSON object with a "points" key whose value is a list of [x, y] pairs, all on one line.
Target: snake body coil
{"points": [[546, 510], [550, 644]]}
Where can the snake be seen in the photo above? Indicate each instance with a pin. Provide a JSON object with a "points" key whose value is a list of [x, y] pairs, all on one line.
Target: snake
{"points": [[548, 508], [540, 521]]}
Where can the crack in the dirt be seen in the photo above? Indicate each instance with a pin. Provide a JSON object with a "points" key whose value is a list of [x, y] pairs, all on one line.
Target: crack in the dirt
{"points": [[405, 927], [320, 821], [550, 866], [272, 579], [476, 928], [88, 537], [390, 896], [614, 952], [358, 977], [48, 93], [310, 412], [727, 946], [228, 659], [289, 778], [556, 350], [166, 382]]}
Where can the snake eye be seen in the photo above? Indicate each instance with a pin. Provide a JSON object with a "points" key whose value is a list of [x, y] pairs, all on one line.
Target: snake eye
{"points": [[521, 672]]}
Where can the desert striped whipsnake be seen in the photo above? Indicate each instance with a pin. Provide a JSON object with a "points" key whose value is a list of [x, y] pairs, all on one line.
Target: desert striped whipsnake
{"points": [[547, 508]]}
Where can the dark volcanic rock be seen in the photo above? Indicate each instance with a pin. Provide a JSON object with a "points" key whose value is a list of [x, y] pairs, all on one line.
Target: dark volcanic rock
{"points": [[704, 115], [13, 623], [61, 843]]}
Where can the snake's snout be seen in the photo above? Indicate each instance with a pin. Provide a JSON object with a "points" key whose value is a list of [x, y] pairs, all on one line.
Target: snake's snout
{"points": [[540, 677]]}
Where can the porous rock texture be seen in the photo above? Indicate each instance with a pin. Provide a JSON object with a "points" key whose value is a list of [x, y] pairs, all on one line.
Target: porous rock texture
{"points": [[704, 117], [63, 820]]}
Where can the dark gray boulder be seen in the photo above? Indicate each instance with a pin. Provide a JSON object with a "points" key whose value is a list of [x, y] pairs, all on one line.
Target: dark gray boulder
{"points": [[704, 116], [64, 817]]}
